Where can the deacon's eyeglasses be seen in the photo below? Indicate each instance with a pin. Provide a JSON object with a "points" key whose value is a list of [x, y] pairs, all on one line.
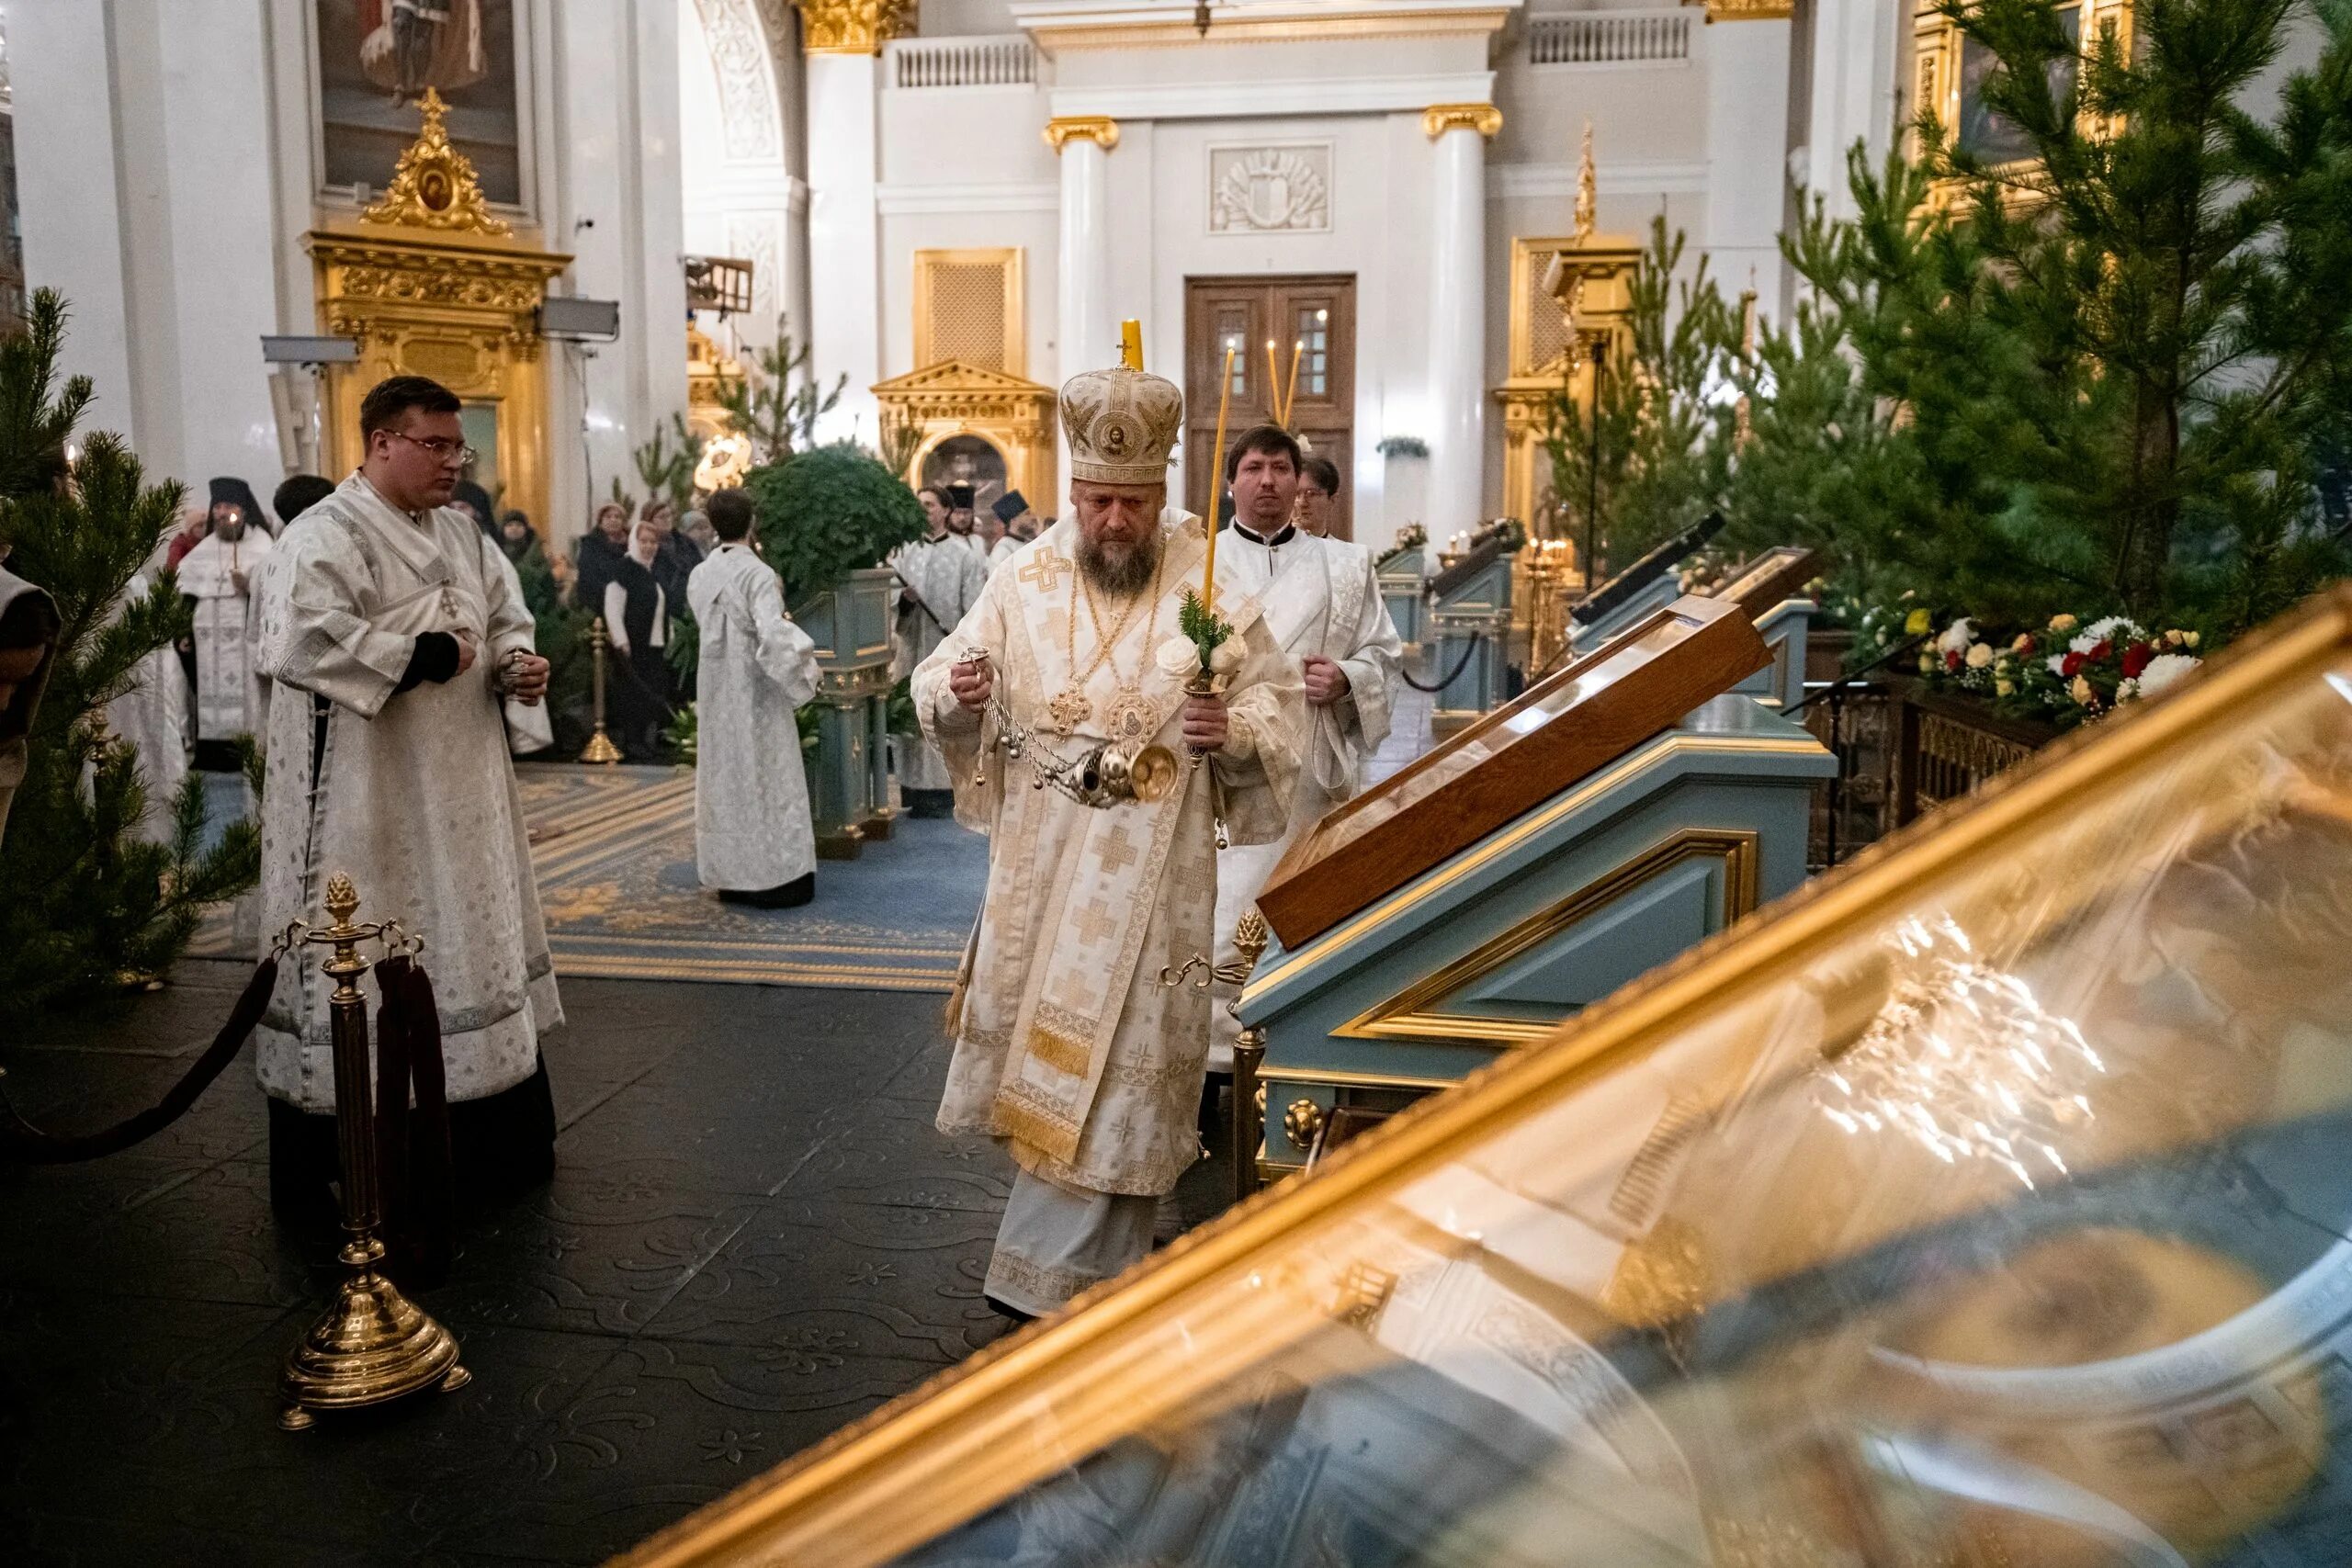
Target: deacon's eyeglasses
{"points": [[441, 447]]}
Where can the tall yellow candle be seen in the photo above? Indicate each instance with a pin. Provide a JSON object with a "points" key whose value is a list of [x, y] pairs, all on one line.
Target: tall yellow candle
{"points": [[1290, 399], [1273, 386], [1216, 478], [1131, 343]]}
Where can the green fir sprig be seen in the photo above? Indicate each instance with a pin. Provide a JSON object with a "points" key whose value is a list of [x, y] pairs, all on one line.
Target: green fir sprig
{"points": [[1202, 626]]}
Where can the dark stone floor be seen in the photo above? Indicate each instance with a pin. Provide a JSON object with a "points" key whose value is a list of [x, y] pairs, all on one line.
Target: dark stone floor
{"points": [[754, 1237]]}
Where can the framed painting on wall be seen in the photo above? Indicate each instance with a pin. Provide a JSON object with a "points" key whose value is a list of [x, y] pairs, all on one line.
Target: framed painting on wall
{"points": [[377, 57]]}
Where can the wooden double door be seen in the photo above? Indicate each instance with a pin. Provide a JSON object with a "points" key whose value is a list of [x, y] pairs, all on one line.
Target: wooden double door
{"points": [[1313, 318]]}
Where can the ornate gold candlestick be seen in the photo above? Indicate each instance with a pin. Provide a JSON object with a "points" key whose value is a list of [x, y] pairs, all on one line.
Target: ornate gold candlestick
{"points": [[1249, 938], [600, 747], [373, 1344]]}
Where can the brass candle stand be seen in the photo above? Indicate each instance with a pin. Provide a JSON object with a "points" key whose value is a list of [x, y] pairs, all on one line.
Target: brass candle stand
{"points": [[373, 1343], [600, 747]]}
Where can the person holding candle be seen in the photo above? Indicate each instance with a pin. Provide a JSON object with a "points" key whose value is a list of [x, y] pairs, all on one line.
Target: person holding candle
{"points": [[1320, 597], [1067, 1043]]}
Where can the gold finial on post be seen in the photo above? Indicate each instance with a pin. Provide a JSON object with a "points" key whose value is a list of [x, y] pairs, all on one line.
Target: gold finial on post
{"points": [[1248, 1121], [373, 1343], [600, 747], [1588, 189]]}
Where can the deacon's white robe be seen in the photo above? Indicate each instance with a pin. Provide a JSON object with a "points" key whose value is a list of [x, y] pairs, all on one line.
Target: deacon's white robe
{"points": [[410, 794], [948, 574], [1317, 595], [1067, 1043], [1004, 550], [752, 826], [152, 717], [230, 698]]}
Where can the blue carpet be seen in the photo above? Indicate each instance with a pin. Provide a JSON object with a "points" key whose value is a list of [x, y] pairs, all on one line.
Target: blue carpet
{"points": [[614, 849]]}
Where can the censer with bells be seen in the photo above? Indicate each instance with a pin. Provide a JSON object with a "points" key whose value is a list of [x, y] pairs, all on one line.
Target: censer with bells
{"points": [[1105, 774]]}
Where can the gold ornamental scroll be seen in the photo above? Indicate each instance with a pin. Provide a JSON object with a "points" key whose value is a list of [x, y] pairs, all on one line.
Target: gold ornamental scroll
{"points": [[430, 283], [954, 397]]}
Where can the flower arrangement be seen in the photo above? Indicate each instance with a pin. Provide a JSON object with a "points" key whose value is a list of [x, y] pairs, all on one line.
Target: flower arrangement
{"points": [[1412, 536], [2064, 672], [1203, 644]]}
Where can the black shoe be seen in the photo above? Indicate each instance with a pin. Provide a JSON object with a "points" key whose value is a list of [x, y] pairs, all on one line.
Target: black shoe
{"points": [[784, 896], [1003, 1309], [930, 803]]}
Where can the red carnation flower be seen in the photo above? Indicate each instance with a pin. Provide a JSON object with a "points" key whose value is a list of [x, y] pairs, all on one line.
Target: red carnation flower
{"points": [[1952, 660], [2135, 658], [2100, 651], [2071, 667]]}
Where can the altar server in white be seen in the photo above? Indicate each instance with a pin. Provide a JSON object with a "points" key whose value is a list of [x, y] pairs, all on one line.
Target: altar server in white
{"points": [[393, 633], [940, 578], [1068, 1043], [1320, 597], [151, 715], [217, 574], [753, 840]]}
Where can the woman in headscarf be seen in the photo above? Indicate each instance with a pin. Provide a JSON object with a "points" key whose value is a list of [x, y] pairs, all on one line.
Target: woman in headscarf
{"points": [[520, 545], [474, 502], [636, 619]]}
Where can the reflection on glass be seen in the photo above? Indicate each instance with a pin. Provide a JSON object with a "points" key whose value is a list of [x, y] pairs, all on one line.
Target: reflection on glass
{"points": [[1994, 136], [1988, 1208], [1314, 338]]}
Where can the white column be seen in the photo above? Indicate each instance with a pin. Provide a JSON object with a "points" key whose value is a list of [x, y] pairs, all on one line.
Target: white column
{"points": [[845, 236], [1747, 134], [1458, 314], [615, 172], [1085, 336]]}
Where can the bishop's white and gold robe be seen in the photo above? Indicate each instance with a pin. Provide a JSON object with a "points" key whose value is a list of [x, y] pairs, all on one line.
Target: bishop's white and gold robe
{"points": [[411, 794], [231, 697], [752, 826], [1321, 596], [947, 573], [1065, 1042]]}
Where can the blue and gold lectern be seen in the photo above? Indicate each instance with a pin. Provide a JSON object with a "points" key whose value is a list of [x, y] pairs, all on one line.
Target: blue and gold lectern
{"points": [[850, 786], [1469, 618], [1617, 813], [1404, 587]]}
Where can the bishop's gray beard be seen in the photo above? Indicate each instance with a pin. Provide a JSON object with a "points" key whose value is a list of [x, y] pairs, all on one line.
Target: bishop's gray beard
{"points": [[1118, 569]]}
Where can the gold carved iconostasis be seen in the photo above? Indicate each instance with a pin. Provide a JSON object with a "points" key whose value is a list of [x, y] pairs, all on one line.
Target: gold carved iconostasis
{"points": [[1549, 354], [434, 277], [973, 415], [429, 282]]}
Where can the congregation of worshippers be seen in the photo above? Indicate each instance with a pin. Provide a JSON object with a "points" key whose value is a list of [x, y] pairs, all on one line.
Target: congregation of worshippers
{"points": [[378, 636]]}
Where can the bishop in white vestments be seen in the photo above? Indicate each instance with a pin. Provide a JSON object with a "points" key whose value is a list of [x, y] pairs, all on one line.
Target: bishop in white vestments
{"points": [[940, 578], [217, 574], [1320, 597], [393, 633], [753, 839], [1068, 1043]]}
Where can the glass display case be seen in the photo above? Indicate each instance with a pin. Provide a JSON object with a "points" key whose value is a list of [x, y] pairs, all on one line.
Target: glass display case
{"points": [[1982, 1206], [1581, 716]]}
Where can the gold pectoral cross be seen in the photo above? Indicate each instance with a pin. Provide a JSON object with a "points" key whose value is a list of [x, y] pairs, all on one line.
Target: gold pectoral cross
{"points": [[1069, 709]]}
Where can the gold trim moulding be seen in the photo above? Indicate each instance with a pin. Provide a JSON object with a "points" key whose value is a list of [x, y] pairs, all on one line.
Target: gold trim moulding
{"points": [[1099, 128], [1641, 763], [1484, 119], [1745, 10], [1407, 1016]]}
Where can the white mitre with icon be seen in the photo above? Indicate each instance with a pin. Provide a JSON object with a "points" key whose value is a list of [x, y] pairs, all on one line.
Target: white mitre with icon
{"points": [[1122, 425]]}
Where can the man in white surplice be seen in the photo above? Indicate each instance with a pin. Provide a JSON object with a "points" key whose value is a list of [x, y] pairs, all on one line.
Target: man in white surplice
{"points": [[392, 635], [1321, 599], [940, 578], [753, 840], [1067, 1044], [217, 574]]}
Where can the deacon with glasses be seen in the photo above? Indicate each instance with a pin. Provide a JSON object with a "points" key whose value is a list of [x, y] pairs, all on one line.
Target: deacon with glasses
{"points": [[394, 632], [1080, 1037]]}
